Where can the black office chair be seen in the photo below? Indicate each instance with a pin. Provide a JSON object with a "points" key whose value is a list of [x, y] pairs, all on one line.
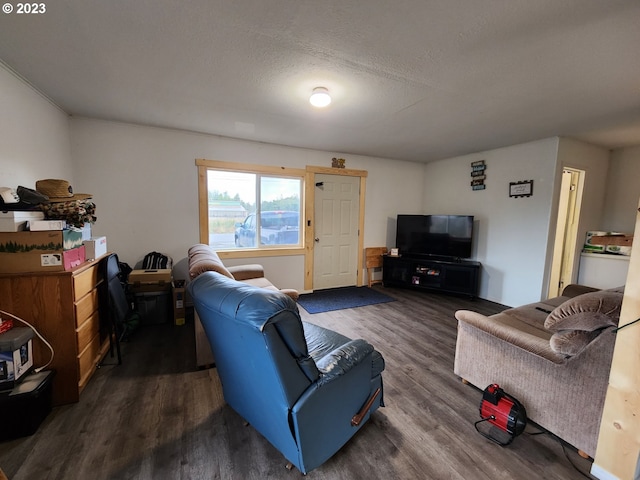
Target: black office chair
{"points": [[114, 304]]}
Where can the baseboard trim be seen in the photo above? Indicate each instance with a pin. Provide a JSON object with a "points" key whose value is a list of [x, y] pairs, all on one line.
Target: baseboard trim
{"points": [[602, 474]]}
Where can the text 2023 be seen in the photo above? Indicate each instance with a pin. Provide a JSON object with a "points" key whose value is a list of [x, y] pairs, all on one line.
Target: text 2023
{"points": [[33, 8]]}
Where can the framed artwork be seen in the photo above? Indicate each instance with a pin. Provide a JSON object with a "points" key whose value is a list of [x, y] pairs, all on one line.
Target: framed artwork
{"points": [[521, 189]]}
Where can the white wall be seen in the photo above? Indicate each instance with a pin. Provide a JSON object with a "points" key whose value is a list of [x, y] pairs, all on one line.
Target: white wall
{"points": [[514, 236], [144, 182], [34, 135], [510, 234], [623, 191]]}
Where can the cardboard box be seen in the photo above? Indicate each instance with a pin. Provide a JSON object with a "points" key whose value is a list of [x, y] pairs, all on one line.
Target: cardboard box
{"points": [[86, 231], [150, 277], [47, 241], [9, 225], [151, 281], [178, 302], [37, 261], [26, 215], [46, 225], [591, 247], [617, 239], [73, 258], [16, 355], [608, 242], [95, 247], [17, 221]]}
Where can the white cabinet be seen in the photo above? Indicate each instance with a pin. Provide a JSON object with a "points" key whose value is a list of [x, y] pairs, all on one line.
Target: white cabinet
{"points": [[601, 270]]}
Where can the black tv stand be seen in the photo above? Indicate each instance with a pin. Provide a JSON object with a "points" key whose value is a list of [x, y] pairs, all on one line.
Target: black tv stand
{"points": [[446, 274]]}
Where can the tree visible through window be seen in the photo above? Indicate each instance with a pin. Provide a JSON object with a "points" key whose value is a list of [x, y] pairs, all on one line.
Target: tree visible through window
{"points": [[253, 209]]}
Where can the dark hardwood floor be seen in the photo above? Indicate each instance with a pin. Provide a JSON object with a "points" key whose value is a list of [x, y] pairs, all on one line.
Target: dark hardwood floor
{"points": [[158, 417]]}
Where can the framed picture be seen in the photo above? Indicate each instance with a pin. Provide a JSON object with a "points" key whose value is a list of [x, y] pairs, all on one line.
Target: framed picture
{"points": [[521, 189]]}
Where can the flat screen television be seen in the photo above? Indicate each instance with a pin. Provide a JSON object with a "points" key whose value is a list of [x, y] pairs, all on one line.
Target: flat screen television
{"points": [[437, 235]]}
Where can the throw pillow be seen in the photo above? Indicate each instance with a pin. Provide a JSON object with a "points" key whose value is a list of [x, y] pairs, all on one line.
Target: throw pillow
{"points": [[571, 342], [588, 312]]}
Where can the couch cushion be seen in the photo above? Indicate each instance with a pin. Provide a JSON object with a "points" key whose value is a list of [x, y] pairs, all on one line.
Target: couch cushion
{"points": [[260, 282], [202, 258], [244, 272], [508, 328], [533, 315], [322, 341], [574, 289], [587, 312], [571, 342], [264, 283]]}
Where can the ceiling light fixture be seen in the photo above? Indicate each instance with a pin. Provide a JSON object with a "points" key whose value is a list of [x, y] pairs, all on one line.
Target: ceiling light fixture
{"points": [[320, 97]]}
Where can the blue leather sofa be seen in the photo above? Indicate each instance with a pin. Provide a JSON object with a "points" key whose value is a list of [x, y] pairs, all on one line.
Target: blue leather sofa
{"points": [[305, 388]]}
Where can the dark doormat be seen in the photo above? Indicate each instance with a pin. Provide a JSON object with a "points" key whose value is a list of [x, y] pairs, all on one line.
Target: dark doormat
{"points": [[341, 298]]}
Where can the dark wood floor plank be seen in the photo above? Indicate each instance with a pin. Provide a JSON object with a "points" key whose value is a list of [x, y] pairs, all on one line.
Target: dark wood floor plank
{"points": [[158, 417]]}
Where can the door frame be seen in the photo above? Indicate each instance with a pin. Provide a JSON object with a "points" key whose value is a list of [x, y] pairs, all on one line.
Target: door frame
{"points": [[565, 257], [309, 226]]}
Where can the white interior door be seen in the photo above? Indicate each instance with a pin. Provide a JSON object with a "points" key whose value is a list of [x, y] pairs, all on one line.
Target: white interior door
{"points": [[567, 275], [336, 212], [566, 232], [561, 231]]}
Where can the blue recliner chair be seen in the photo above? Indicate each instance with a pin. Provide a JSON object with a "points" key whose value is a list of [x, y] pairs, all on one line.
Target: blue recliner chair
{"points": [[305, 388]]}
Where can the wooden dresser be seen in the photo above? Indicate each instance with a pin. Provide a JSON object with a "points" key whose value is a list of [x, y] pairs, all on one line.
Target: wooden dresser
{"points": [[64, 308]]}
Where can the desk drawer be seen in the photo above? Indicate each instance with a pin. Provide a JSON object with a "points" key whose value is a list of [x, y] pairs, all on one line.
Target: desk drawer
{"points": [[88, 358], [85, 281], [85, 307], [89, 329]]}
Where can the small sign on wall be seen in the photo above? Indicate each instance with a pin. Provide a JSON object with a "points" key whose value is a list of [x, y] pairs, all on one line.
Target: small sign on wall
{"points": [[478, 175], [521, 189], [338, 162]]}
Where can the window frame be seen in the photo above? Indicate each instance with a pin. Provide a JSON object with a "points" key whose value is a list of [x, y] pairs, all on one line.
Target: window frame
{"points": [[204, 166]]}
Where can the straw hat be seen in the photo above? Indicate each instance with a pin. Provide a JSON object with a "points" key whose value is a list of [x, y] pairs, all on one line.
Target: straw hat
{"points": [[59, 190]]}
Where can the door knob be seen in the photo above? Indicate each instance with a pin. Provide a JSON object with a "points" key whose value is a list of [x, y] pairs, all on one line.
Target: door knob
{"points": [[317, 239]]}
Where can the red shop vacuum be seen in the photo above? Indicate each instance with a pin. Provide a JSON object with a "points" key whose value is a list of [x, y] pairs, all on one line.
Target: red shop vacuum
{"points": [[502, 417]]}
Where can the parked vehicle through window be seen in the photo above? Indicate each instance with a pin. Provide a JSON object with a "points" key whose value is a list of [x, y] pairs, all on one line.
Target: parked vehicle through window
{"points": [[276, 228]]}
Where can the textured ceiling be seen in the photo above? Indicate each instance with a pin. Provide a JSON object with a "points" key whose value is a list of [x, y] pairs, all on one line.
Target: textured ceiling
{"points": [[411, 79]]}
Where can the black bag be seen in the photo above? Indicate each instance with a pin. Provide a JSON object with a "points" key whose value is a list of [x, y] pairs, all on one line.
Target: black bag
{"points": [[156, 261]]}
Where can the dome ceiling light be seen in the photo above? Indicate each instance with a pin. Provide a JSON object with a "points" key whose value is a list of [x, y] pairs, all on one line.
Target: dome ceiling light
{"points": [[320, 97]]}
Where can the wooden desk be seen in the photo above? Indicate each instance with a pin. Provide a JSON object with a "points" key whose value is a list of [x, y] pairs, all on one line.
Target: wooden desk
{"points": [[372, 260], [64, 308]]}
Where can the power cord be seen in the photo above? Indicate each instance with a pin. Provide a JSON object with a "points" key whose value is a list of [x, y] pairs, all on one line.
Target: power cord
{"points": [[39, 336], [616, 330], [564, 450]]}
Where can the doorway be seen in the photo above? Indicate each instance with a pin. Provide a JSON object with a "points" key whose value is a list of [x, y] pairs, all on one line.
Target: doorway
{"points": [[335, 250], [564, 249], [335, 222]]}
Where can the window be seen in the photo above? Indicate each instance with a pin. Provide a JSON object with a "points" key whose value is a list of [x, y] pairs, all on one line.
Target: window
{"points": [[249, 206]]}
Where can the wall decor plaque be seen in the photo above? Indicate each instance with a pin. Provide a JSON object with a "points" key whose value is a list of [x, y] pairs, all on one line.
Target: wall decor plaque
{"points": [[521, 189]]}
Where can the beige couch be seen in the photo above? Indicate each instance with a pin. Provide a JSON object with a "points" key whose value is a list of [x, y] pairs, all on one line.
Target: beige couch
{"points": [[553, 356], [203, 258]]}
